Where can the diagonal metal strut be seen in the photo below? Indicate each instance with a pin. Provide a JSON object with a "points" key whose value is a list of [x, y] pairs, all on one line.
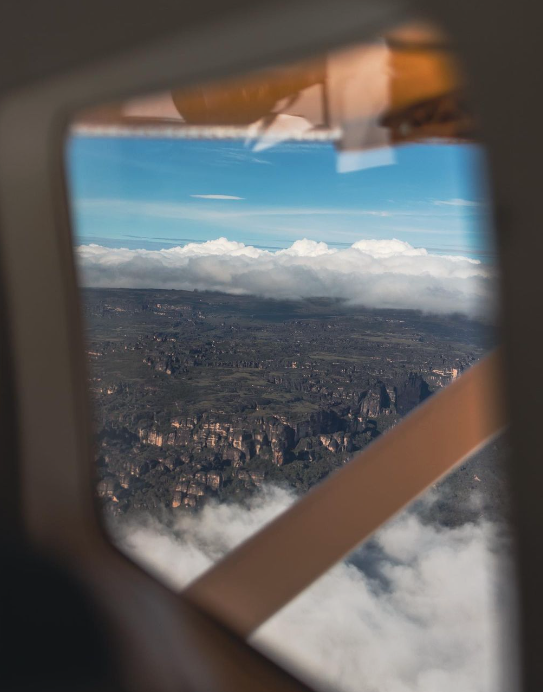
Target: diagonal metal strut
{"points": [[268, 570]]}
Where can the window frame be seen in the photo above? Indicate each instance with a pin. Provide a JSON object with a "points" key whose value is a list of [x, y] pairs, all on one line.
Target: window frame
{"points": [[49, 370]]}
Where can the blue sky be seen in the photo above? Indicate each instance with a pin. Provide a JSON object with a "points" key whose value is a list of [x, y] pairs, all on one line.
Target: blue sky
{"points": [[157, 193]]}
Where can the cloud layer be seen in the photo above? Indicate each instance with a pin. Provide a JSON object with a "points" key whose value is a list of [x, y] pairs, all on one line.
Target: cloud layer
{"points": [[414, 611], [374, 273]]}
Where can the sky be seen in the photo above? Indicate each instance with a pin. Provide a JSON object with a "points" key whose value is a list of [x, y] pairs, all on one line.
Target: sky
{"points": [[159, 193]]}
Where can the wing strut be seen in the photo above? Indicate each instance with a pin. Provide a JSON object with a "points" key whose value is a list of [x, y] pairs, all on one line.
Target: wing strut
{"points": [[268, 570]]}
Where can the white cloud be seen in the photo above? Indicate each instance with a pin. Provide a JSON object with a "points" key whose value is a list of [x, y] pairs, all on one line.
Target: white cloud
{"points": [[217, 197], [457, 202], [374, 273], [317, 211], [179, 552], [178, 210], [415, 611], [323, 222]]}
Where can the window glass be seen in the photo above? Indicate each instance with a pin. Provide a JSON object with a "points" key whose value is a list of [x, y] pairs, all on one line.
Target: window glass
{"points": [[274, 271]]}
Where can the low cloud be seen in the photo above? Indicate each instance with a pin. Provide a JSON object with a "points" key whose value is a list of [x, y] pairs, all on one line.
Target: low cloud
{"points": [[217, 197], [415, 610], [374, 273]]}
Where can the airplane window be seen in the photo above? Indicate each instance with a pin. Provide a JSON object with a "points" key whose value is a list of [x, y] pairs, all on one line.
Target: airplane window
{"points": [[275, 270]]}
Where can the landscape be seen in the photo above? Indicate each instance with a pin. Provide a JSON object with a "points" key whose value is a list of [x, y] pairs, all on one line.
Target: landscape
{"points": [[203, 396]]}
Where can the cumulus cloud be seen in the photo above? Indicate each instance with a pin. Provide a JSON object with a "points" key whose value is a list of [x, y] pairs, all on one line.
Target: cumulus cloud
{"points": [[416, 610], [217, 197], [374, 273]]}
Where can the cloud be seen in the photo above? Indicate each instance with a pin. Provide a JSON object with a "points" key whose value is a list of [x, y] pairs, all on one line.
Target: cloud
{"points": [[374, 273], [178, 551], [233, 155], [415, 610], [457, 203], [217, 197], [177, 210], [317, 211]]}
